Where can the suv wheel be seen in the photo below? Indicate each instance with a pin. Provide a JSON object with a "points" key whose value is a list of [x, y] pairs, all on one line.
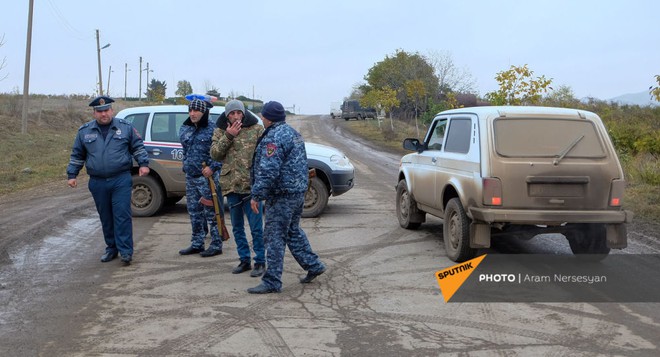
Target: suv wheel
{"points": [[147, 196], [456, 232], [588, 239], [406, 208], [316, 198]]}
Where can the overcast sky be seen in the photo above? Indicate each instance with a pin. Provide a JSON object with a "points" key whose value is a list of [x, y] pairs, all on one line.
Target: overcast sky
{"points": [[311, 53]]}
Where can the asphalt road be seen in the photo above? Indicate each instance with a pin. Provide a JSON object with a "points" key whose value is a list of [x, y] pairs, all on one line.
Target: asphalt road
{"points": [[379, 296]]}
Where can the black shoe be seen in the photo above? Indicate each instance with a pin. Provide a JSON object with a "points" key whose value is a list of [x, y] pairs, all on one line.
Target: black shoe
{"points": [[126, 259], [311, 276], [211, 252], [242, 266], [108, 256], [258, 270], [262, 289], [191, 250]]}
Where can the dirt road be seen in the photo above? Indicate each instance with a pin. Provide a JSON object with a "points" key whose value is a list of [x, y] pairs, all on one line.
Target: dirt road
{"points": [[379, 296]]}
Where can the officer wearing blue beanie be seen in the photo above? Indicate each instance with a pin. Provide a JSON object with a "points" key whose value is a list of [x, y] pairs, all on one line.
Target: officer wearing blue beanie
{"points": [[280, 176], [273, 111]]}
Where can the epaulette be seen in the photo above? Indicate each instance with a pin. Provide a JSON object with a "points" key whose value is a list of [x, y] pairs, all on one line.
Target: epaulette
{"points": [[83, 126], [123, 121]]}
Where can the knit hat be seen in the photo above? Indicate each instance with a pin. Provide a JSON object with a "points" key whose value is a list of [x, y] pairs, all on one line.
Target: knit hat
{"points": [[273, 111], [234, 105], [198, 105]]}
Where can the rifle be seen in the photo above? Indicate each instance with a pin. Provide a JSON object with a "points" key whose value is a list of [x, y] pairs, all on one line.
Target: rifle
{"points": [[219, 216]]}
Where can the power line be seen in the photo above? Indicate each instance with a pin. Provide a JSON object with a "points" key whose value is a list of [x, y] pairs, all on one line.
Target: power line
{"points": [[63, 21]]}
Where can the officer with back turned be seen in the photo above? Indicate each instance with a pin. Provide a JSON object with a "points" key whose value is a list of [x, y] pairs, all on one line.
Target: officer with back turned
{"points": [[280, 176]]}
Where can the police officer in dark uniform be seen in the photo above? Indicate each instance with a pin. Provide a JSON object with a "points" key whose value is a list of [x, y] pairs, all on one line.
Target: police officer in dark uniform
{"points": [[195, 135], [106, 146], [280, 175]]}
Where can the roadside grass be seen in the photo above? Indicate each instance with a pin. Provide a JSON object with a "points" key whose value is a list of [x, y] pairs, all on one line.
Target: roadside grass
{"points": [[387, 134], [33, 159], [41, 155]]}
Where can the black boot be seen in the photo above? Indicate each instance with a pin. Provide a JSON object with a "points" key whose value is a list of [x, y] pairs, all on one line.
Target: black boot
{"points": [[211, 252], [242, 266], [191, 250], [258, 270]]}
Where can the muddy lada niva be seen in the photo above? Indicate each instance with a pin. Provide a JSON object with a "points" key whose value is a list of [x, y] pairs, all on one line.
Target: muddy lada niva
{"points": [[518, 171]]}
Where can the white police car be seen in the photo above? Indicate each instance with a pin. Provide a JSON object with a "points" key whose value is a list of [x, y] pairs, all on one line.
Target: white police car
{"points": [[166, 184]]}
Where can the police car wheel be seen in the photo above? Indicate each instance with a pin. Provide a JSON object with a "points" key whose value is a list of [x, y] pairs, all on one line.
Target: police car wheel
{"points": [[316, 198], [147, 196]]}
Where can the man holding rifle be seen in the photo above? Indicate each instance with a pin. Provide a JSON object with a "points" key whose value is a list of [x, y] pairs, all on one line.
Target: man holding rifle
{"points": [[195, 136]]}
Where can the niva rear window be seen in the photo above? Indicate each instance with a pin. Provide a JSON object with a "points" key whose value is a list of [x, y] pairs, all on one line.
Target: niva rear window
{"points": [[520, 137]]}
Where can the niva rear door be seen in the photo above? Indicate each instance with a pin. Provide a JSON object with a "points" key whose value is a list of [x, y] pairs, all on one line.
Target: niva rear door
{"points": [[552, 163]]}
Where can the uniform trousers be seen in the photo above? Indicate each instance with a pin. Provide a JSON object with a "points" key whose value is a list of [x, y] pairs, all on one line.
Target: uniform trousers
{"points": [[282, 229], [112, 197]]}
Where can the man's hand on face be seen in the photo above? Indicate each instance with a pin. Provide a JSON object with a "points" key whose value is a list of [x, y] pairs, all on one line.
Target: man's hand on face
{"points": [[234, 128]]}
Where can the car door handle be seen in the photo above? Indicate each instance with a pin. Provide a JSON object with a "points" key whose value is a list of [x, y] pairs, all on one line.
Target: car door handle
{"points": [[155, 152], [434, 160]]}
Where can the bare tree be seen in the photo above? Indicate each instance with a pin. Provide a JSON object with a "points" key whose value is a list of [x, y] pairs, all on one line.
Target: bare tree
{"points": [[3, 63], [451, 78]]}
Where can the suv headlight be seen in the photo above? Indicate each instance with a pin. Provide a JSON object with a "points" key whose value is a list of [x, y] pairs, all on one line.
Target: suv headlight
{"points": [[340, 160]]}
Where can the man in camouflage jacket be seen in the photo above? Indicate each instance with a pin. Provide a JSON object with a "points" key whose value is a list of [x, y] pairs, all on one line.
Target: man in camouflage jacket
{"points": [[234, 142]]}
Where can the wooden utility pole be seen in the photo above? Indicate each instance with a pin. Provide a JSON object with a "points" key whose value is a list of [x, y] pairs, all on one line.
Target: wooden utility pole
{"points": [[26, 78]]}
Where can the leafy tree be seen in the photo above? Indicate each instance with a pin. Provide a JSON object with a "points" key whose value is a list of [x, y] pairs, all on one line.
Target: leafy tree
{"points": [[654, 91], [561, 97], [395, 71], [156, 91], [380, 99], [415, 91], [183, 88], [518, 87]]}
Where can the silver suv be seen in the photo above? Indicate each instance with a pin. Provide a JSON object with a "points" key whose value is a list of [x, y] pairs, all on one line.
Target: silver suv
{"points": [[166, 184], [520, 171]]}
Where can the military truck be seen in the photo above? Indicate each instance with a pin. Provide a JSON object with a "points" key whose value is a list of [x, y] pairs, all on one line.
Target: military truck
{"points": [[351, 109]]}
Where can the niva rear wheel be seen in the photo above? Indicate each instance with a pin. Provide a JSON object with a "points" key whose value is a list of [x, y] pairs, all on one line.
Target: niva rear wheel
{"points": [[456, 232]]}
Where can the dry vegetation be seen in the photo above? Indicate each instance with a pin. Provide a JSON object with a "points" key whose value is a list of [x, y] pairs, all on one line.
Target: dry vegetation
{"points": [[41, 155]]}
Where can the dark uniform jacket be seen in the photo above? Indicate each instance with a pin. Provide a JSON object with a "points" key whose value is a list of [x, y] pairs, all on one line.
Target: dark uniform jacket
{"points": [[279, 165], [109, 157], [196, 143]]}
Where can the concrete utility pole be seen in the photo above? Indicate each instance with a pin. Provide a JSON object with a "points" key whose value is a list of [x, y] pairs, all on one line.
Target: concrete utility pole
{"points": [[108, 87], [98, 55], [147, 70], [26, 78], [140, 86], [125, 78]]}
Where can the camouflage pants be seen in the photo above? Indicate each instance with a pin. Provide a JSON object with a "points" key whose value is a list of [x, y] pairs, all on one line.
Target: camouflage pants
{"points": [[281, 230], [201, 215]]}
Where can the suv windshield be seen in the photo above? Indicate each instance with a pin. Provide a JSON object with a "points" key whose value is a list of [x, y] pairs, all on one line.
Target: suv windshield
{"points": [[546, 138]]}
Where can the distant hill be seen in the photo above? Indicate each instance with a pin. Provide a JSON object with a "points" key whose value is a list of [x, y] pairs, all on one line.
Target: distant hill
{"points": [[643, 99]]}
